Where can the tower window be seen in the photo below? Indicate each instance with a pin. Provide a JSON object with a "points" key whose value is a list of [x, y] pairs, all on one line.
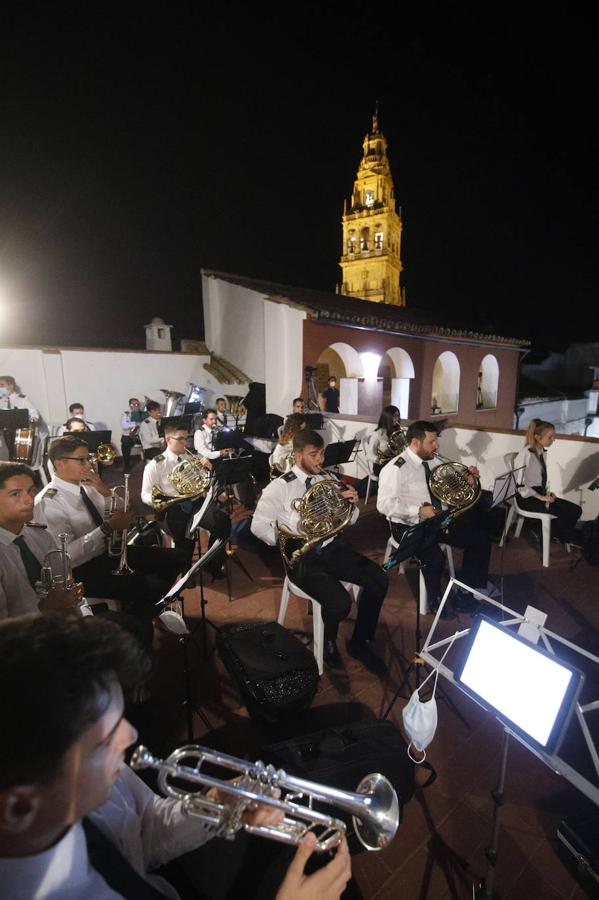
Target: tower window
{"points": [[161, 333], [364, 238], [369, 197], [351, 244], [378, 240]]}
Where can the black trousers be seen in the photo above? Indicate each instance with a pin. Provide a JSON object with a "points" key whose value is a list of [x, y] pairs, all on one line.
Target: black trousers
{"points": [[567, 514], [320, 573], [462, 533]]}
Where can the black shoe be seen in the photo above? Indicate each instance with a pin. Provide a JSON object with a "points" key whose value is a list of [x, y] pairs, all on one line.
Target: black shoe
{"points": [[433, 607], [465, 602], [369, 660], [331, 655]]}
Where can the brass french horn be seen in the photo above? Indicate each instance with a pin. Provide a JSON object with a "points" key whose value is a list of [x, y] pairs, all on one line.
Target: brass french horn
{"points": [[396, 444], [190, 479], [454, 485]]}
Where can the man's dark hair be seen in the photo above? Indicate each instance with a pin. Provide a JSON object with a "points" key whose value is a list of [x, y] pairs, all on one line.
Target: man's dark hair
{"points": [[297, 400], [70, 421], [306, 438], [153, 404], [64, 446], [172, 427], [75, 406], [218, 399], [207, 412], [10, 469], [8, 378], [131, 399], [418, 430], [57, 672], [332, 378]]}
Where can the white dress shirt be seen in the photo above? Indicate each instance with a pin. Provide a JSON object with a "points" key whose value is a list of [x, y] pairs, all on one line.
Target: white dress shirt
{"points": [[222, 419], [203, 441], [148, 434], [281, 456], [275, 506], [403, 489], [19, 401], [532, 475], [148, 830], [378, 440], [17, 596], [127, 423], [60, 506], [157, 471]]}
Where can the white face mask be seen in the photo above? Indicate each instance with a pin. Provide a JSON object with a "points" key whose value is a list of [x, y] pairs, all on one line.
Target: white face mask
{"points": [[420, 722], [4, 392], [420, 718]]}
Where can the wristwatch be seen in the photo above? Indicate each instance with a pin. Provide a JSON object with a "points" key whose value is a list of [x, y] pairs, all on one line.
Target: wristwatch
{"points": [[106, 529]]}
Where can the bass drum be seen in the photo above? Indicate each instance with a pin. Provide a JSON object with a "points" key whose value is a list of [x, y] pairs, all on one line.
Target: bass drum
{"points": [[23, 446]]}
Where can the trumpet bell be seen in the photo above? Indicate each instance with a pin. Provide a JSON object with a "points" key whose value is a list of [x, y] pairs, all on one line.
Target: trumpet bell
{"points": [[378, 831], [106, 454]]}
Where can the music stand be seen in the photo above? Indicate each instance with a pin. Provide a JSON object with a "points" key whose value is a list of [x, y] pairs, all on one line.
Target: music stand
{"points": [[315, 421], [10, 420], [93, 439], [339, 453], [186, 636], [505, 488], [413, 542]]}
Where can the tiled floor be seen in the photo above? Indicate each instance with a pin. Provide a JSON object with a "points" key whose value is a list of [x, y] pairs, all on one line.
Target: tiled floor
{"points": [[438, 851]]}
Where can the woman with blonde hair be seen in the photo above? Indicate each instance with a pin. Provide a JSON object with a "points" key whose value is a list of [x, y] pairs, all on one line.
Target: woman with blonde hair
{"points": [[534, 493]]}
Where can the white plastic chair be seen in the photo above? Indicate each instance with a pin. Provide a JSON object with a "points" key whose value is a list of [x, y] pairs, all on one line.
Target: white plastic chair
{"points": [[317, 623], [392, 545], [521, 514], [371, 477]]}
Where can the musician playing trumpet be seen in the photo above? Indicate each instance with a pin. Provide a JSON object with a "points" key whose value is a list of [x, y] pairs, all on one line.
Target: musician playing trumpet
{"points": [[404, 497], [23, 548], [320, 571]]}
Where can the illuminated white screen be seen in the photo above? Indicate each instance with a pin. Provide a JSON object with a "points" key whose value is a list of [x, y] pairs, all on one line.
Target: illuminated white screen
{"points": [[522, 684]]}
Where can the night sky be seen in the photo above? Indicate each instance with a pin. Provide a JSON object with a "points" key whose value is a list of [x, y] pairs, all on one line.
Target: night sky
{"points": [[136, 149]]}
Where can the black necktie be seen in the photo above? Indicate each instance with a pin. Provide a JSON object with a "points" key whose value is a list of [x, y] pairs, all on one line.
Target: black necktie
{"points": [[308, 481], [32, 565], [427, 474], [543, 473], [116, 871], [178, 459], [91, 508]]}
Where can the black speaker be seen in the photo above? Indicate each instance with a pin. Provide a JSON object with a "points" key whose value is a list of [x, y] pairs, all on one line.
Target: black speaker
{"points": [[255, 403], [267, 426]]}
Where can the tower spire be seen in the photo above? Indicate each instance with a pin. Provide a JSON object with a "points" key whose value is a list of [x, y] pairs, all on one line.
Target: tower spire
{"points": [[375, 119]]}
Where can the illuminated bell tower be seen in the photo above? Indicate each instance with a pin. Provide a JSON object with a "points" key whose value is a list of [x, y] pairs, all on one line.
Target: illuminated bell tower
{"points": [[370, 259]]}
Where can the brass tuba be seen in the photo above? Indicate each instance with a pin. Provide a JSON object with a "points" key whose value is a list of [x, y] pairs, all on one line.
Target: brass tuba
{"points": [[396, 444], [323, 513], [374, 807], [190, 479], [451, 483], [172, 401]]}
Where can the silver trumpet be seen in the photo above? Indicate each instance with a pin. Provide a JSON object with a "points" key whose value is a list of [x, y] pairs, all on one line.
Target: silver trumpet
{"points": [[374, 807], [123, 567], [57, 572]]}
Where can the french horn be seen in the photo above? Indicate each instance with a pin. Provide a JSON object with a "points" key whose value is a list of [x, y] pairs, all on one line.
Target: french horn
{"points": [[454, 485], [190, 478], [396, 444]]}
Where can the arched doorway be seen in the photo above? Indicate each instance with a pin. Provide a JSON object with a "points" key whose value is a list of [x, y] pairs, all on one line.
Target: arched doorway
{"points": [[446, 384]]}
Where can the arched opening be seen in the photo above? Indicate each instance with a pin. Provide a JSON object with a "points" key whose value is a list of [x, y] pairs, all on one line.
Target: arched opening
{"points": [[488, 383], [396, 370], [343, 362], [446, 384]]}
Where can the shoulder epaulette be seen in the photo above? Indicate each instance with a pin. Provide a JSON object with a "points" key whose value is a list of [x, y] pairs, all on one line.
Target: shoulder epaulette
{"points": [[289, 476], [21, 396], [35, 525], [50, 492], [400, 461], [159, 458]]}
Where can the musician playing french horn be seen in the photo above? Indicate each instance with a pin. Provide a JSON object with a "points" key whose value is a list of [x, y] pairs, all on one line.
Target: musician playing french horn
{"points": [[405, 498], [328, 561]]}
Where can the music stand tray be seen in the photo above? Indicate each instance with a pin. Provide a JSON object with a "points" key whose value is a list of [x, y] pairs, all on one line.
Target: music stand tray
{"points": [[228, 470], [339, 453], [505, 487], [93, 439], [416, 539]]}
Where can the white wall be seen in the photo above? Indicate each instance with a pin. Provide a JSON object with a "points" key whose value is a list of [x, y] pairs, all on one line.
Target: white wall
{"points": [[261, 337], [568, 416], [103, 380]]}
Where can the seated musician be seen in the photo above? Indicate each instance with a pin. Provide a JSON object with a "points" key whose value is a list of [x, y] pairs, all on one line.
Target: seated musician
{"points": [[298, 406], [377, 444], [75, 503], [75, 821], [405, 499], [320, 571], [281, 459], [23, 547], [150, 440], [74, 425], [222, 420], [203, 439], [130, 424], [76, 413], [11, 399], [533, 494]]}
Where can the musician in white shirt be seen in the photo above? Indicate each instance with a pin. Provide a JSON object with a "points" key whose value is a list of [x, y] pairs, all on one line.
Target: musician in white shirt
{"points": [[151, 441], [10, 399], [203, 439], [74, 820]]}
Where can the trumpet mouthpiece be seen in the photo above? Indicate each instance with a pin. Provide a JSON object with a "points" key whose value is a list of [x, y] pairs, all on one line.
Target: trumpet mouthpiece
{"points": [[142, 758]]}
